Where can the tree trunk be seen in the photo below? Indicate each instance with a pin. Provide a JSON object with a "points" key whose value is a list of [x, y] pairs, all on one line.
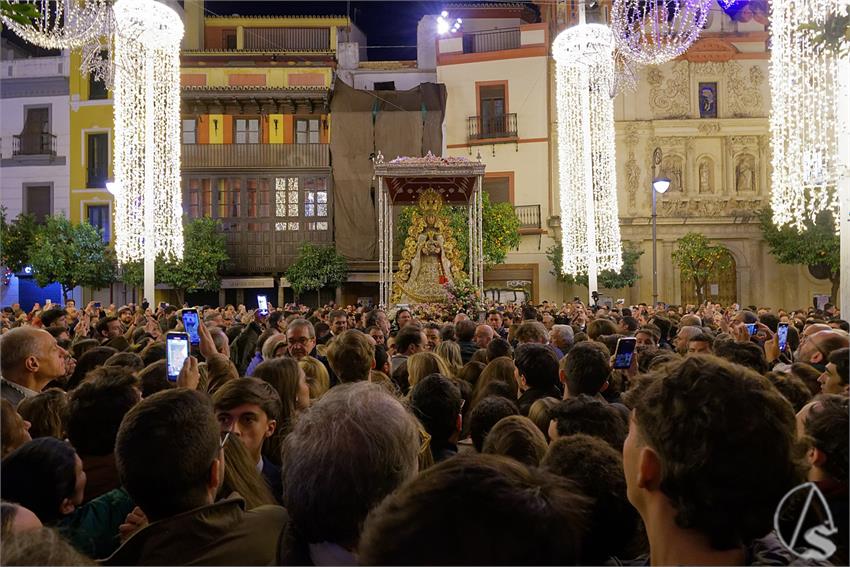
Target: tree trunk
{"points": [[318, 297], [835, 279], [181, 297], [700, 289]]}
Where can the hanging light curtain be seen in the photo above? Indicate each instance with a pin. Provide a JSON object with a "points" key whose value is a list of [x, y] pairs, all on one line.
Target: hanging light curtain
{"points": [[590, 229]]}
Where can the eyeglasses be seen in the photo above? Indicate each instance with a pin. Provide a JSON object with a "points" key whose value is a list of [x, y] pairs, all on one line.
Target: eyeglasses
{"points": [[225, 435]]}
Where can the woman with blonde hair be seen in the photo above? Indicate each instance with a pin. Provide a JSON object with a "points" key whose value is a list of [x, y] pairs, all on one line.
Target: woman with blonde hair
{"points": [[449, 351], [318, 379], [422, 364], [241, 475], [500, 370]]}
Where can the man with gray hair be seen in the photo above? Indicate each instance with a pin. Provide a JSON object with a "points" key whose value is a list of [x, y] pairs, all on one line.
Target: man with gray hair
{"points": [[354, 447], [30, 358], [562, 338]]}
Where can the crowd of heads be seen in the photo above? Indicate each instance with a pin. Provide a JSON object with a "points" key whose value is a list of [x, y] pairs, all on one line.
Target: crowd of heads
{"points": [[354, 435]]}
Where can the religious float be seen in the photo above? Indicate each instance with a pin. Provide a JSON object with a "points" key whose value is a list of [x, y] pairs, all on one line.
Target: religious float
{"points": [[430, 264]]}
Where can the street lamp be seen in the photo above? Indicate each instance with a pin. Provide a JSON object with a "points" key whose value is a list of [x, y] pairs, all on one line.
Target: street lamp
{"points": [[659, 185]]}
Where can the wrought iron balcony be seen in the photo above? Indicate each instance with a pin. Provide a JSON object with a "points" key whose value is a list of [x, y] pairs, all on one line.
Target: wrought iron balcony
{"points": [[255, 156], [529, 217], [34, 144], [496, 40], [491, 127]]}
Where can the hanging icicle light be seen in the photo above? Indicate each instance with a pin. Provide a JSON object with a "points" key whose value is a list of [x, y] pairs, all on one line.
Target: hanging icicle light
{"points": [[590, 229], [803, 114], [650, 32], [148, 208], [61, 24]]}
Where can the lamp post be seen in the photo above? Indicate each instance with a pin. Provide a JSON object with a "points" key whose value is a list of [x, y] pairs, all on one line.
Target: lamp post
{"points": [[659, 185]]}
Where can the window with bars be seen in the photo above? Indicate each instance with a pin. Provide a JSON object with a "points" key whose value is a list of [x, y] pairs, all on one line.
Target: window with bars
{"points": [[307, 131], [189, 131], [316, 201], [247, 131], [200, 198], [286, 200]]}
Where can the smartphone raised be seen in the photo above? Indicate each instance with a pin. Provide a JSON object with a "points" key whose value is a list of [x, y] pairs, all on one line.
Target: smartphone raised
{"points": [[190, 323], [97, 304], [47, 302], [624, 352], [752, 328], [176, 353], [263, 304], [782, 333]]}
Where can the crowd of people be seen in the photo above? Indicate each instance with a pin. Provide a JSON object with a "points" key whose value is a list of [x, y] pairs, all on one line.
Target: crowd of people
{"points": [[357, 436]]}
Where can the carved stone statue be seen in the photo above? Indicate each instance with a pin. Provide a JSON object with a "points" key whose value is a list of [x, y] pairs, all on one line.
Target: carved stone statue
{"points": [[744, 175], [430, 259], [671, 168], [705, 177]]}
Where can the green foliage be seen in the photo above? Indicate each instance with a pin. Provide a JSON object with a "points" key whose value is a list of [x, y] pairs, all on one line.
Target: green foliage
{"points": [[834, 33], [698, 259], [71, 254], [499, 224], [204, 255], [16, 237], [21, 13], [316, 267], [818, 244], [608, 279]]}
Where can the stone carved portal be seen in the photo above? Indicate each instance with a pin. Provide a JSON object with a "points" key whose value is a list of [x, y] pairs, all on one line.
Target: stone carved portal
{"points": [[671, 168], [745, 174], [706, 176], [430, 258], [722, 286]]}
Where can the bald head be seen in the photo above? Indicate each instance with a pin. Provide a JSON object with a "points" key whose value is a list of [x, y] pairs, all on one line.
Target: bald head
{"points": [[820, 345], [684, 335], [31, 357], [815, 328], [691, 320], [483, 335]]}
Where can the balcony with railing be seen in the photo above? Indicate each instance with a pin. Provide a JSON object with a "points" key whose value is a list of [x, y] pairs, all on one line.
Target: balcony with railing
{"points": [[486, 45], [529, 217], [255, 156], [498, 127], [495, 40], [34, 144]]}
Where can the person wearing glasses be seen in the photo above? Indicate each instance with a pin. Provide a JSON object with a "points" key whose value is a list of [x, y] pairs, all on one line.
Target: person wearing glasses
{"points": [[170, 457]]}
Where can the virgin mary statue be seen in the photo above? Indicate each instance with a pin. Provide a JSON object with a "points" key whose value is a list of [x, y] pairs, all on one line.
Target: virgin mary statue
{"points": [[430, 259]]}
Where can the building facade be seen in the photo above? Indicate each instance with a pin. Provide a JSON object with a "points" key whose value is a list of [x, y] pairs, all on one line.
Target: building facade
{"points": [[497, 75], [256, 127], [35, 152]]}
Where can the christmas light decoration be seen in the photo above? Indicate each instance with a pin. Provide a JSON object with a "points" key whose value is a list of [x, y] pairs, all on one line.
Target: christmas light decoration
{"points": [[653, 32], [590, 229], [803, 114], [61, 24], [148, 206]]}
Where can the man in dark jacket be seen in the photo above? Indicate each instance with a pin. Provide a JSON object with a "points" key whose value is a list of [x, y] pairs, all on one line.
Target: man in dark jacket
{"points": [[538, 374], [465, 330], [164, 443]]}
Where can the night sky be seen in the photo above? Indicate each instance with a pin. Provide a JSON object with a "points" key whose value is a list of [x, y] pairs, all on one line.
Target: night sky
{"points": [[385, 23]]}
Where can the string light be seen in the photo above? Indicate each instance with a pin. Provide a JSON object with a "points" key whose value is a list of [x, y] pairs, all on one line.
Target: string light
{"points": [[650, 33], [445, 25], [803, 114], [61, 24], [590, 229], [147, 130]]}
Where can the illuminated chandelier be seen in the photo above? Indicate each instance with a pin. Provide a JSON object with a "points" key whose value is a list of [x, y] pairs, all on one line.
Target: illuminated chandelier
{"points": [[590, 229], [62, 24], [803, 114], [651, 32], [148, 203]]}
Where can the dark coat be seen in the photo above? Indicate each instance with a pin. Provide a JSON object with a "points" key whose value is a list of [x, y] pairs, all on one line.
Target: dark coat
{"points": [[219, 534]]}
